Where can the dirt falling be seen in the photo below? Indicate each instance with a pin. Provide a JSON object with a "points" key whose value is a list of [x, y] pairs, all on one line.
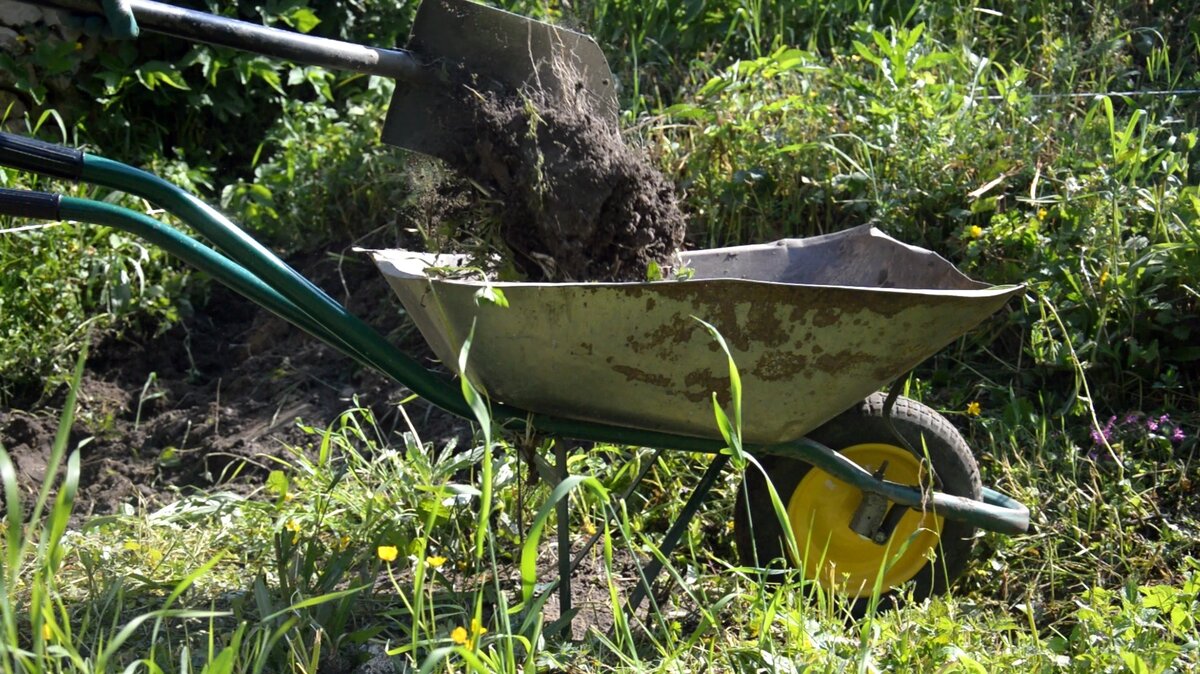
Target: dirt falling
{"points": [[575, 202]]}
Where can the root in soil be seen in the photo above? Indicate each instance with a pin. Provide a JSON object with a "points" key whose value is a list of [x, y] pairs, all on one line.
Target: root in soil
{"points": [[573, 201]]}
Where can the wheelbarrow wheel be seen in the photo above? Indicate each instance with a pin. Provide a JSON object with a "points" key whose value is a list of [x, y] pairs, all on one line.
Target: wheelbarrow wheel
{"points": [[924, 549]]}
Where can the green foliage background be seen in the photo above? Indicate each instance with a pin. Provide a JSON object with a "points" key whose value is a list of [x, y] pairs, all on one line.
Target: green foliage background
{"points": [[1040, 142]]}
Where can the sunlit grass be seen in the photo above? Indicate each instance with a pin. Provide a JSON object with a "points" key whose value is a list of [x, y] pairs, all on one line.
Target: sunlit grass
{"points": [[342, 560]]}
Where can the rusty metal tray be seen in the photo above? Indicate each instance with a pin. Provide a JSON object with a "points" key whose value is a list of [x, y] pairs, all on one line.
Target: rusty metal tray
{"points": [[813, 324]]}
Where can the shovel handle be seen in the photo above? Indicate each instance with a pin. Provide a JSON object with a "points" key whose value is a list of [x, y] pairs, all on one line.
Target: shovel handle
{"points": [[283, 44]]}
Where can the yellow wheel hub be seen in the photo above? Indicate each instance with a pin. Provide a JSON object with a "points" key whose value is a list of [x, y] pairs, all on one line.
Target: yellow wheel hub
{"points": [[838, 558]]}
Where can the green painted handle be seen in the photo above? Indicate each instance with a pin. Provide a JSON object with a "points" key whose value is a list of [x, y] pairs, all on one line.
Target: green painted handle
{"points": [[996, 512]]}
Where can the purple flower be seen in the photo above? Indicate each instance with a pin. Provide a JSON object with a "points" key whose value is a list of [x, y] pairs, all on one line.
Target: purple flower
{"points": [[1132, 419], [1152, 425], [1178, 436], [1101, 436]]}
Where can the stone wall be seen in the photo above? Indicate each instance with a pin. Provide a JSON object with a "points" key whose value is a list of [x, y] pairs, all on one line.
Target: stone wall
{"points": [[19, 24]]}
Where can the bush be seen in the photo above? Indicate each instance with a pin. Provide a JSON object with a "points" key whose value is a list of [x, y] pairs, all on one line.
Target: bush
{"points": [[291, 152]]}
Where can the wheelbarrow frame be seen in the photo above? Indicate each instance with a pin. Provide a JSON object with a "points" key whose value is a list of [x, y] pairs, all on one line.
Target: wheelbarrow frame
{"points": [[254, 271]]}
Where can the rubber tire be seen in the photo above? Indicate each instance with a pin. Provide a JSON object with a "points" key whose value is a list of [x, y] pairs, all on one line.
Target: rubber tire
{"points": [[953, 464]]}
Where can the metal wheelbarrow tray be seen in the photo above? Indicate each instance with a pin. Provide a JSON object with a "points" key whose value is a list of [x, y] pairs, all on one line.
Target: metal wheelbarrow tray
{"points": [[814, 326]]}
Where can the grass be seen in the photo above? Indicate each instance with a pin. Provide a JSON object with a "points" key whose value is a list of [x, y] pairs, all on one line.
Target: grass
{"points": [[967, 128], [299, 573]]}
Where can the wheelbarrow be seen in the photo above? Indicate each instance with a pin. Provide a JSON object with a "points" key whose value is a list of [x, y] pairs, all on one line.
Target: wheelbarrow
{"points": [[818, 325]]}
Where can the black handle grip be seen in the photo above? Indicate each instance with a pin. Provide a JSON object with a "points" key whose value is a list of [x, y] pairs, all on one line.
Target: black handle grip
{"points": [[29, 154], [28, 204]]}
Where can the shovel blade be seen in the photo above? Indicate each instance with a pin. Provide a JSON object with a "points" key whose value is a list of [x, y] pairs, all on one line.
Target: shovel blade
{"points": [[495, 47]]}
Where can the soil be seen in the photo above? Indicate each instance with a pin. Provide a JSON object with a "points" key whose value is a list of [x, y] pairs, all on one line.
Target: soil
{"points": [[590, 587], [574, 201], [214, 396]]}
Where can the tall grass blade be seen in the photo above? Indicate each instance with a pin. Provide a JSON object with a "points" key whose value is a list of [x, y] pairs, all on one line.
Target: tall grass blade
{"points": [[62, 436], [530, 548], [731, 429], [484, 416], [60, 515], [12, 504], [439, 655], [317, 601]]}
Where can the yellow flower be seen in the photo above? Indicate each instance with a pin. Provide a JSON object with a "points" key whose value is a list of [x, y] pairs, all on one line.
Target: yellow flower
{"points": [[459, 636], [1104, 277], [477, 628], [435, 561], [1041, 214], [973, 408], [47, 633], [589, 528], [294, 527], [387, 552], [343, 542], [975, 231]]}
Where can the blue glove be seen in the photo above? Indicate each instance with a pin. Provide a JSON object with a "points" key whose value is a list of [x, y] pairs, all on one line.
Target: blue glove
{"points": [[116, 24]]}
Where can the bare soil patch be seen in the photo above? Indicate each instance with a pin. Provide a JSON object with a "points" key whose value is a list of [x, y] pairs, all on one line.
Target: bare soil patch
{"points": [[212, 399]]}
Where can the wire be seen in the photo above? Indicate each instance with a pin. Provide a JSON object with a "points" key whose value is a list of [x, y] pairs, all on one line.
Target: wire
{"points": [[30, 228], [1096, 94]]}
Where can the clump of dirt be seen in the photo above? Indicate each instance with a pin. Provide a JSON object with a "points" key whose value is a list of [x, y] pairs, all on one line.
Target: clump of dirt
{"points": [[573, 200]]}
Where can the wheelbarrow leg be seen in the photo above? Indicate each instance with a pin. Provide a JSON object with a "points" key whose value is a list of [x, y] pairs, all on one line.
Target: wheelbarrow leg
{"points": [[650, 572], [564, 541], [564, 549]]}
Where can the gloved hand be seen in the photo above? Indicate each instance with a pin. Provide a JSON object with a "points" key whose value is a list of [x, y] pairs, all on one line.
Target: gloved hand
{"points": [[117, 23]]}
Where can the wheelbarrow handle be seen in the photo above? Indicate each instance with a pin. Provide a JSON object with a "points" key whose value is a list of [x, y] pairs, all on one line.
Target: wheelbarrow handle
{"points": [[36, 156], [283, 44], [29, 204]]}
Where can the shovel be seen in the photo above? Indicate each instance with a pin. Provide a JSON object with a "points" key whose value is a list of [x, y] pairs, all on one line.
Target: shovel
{"points": [[454, 43]]}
